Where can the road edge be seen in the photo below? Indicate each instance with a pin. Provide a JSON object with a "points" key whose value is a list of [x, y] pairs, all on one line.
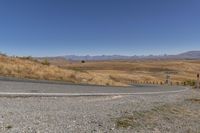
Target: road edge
{"points": [[7, 94]]}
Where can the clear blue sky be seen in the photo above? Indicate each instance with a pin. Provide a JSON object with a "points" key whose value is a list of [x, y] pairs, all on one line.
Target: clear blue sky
{"points": [[95, 27]]}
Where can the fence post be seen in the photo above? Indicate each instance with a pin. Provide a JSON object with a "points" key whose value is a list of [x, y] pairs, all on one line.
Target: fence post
{"points": [[167, 81], [197, 82]]}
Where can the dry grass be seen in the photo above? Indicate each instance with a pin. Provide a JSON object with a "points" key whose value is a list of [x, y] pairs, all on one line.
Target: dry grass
{"points": [[140, 71], [28, 68], [116, 73]]}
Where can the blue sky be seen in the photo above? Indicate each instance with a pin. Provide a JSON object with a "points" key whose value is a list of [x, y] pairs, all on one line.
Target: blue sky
{"points": [[95, 27]]}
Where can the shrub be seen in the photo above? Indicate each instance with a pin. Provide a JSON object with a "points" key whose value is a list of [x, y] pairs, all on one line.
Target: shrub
{"points": [[190, 82], [25, 57], [46, 62], [30, 58]]}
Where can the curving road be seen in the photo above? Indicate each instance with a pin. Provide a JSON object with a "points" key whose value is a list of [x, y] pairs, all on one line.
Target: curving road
{"points": [[15, 87]]}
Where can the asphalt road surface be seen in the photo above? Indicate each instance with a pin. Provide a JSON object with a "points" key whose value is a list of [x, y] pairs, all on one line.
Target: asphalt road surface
{"points": [[16, 87]]}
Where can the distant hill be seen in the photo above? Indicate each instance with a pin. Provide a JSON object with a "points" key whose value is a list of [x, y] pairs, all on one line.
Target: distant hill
{"points": [[101, 57], [190, 55], [186, 55]]}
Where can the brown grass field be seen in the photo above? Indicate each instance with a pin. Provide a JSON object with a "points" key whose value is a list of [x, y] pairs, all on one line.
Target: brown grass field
{"points": [[33, 69], [138, 70], [114, 73]]}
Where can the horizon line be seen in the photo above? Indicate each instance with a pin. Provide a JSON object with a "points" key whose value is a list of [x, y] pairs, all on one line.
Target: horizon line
{"points": [[139, 55]]}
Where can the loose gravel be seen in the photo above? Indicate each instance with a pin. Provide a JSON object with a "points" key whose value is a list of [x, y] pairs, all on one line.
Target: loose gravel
{"points": [[101, 114]]}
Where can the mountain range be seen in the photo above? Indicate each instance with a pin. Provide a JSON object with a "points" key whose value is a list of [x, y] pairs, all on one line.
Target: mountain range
{"points": [[185, 55]]}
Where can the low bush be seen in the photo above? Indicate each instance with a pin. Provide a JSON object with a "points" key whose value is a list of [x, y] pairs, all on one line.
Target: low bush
{"points": [[46, 62], [190, 82]]}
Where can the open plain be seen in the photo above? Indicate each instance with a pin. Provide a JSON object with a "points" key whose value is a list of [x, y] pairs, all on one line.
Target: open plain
{"points": [[99, 66], [109, 73], [142, 71], [58, 105]]}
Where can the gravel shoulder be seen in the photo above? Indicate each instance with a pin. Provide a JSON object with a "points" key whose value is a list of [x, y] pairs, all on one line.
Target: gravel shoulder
{"points": [[174, 112]]}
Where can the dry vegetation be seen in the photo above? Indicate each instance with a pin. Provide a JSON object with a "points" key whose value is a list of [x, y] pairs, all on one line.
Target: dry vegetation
{"points": [[30, 68], [140, 71], [151, 119], [116, 73]]}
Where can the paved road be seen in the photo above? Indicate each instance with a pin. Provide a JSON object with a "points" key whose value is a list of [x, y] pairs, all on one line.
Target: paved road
{"points": [[23, 87]]}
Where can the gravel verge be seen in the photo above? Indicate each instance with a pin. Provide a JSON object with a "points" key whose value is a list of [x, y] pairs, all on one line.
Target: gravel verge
{"points": [[176, 112]]}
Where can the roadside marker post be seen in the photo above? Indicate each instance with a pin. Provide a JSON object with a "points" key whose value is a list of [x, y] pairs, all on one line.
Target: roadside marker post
{"points": [[197, 82], [167, 81]]}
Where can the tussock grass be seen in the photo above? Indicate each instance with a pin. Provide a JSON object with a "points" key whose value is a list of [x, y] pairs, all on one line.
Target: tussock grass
{"points": [[29, 68], [114, 73], [140, 71]]}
